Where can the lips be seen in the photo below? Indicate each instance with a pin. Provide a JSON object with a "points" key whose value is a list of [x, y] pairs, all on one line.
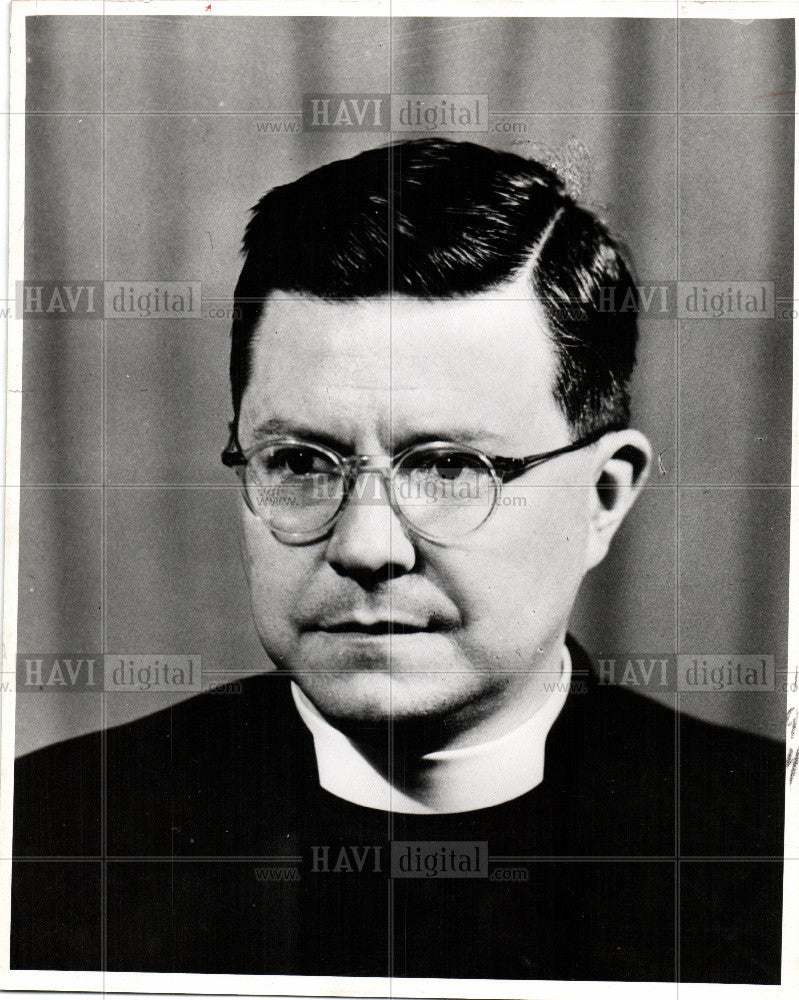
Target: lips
{"points": [[381, 614], [379, 627]]}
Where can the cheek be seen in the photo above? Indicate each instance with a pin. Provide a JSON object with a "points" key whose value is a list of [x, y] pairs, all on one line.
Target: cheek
{"points": [[275, 574], [527, 559]]}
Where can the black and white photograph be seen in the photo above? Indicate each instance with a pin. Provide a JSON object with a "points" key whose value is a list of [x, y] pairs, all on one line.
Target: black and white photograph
{"points": [[398, 491]]}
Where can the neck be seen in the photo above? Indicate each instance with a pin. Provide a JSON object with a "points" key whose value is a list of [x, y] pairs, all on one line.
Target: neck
{"points": [[423, 766]]}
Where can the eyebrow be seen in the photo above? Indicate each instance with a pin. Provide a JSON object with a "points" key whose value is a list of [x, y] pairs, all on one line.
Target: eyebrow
{"points": [[277, 427]]}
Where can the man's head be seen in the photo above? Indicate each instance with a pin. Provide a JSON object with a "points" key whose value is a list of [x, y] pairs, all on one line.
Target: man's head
{"points": [[433, 291]]}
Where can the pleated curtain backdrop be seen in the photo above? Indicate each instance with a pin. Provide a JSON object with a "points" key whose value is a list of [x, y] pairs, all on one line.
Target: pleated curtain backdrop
{"points": [[148, 139]]}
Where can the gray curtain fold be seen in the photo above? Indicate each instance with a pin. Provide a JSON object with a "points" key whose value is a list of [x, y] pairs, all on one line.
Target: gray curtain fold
{"points": [[661, 128]]}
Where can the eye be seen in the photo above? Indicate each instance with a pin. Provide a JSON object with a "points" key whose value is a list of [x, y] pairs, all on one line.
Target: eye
{"points": [[442, 465], [296, 460], [449, 465]]}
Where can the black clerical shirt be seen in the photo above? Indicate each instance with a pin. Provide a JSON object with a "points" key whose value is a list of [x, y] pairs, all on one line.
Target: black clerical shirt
{"points": [[652, 850]]}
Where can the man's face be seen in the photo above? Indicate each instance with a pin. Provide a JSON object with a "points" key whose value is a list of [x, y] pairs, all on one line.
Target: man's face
{"points": [[482, 615]]}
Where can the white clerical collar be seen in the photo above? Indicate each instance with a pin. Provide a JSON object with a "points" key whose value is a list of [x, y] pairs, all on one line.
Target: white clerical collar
{"points": [[460, 780]]}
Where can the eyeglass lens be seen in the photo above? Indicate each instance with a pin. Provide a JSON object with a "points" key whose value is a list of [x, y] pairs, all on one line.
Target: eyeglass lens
{"points": [[442, 492]]}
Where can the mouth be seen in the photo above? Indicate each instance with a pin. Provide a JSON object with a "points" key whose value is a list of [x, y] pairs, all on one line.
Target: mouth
{"points": [[379, 628]]}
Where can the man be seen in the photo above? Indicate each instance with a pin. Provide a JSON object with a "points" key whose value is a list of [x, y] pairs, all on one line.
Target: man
{"points": [[431, 432]]}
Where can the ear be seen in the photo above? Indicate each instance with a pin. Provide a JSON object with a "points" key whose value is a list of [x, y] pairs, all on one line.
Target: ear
{"points": [[621, 468]]}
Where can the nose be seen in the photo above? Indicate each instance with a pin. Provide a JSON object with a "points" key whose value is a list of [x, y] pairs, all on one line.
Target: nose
{"points": [[368, 539]]}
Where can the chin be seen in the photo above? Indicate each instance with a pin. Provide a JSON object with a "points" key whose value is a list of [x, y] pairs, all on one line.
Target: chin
{"points": [[376, 698]]}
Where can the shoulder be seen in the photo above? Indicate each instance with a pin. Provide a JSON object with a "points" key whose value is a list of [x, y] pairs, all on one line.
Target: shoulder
{"points": [[193, 757], [732, 791], [57, 799], [725, 786]]}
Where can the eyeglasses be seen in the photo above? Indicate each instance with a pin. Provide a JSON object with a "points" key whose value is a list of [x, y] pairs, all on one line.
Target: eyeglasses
{"points": [[439, 490]]}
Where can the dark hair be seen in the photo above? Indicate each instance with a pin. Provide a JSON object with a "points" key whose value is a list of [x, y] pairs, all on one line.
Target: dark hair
{"points": [[432, 218]]}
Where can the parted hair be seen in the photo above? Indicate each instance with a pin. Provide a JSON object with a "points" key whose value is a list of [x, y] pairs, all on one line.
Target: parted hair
{"points": [[437, 219]]}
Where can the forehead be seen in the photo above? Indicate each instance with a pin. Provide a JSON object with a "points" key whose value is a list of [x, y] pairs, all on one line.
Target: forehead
{"points": [[392, 365]]}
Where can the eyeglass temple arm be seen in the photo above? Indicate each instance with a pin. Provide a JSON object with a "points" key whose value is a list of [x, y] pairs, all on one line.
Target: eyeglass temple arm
{"points": [[511, 468], [233, 455]]}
